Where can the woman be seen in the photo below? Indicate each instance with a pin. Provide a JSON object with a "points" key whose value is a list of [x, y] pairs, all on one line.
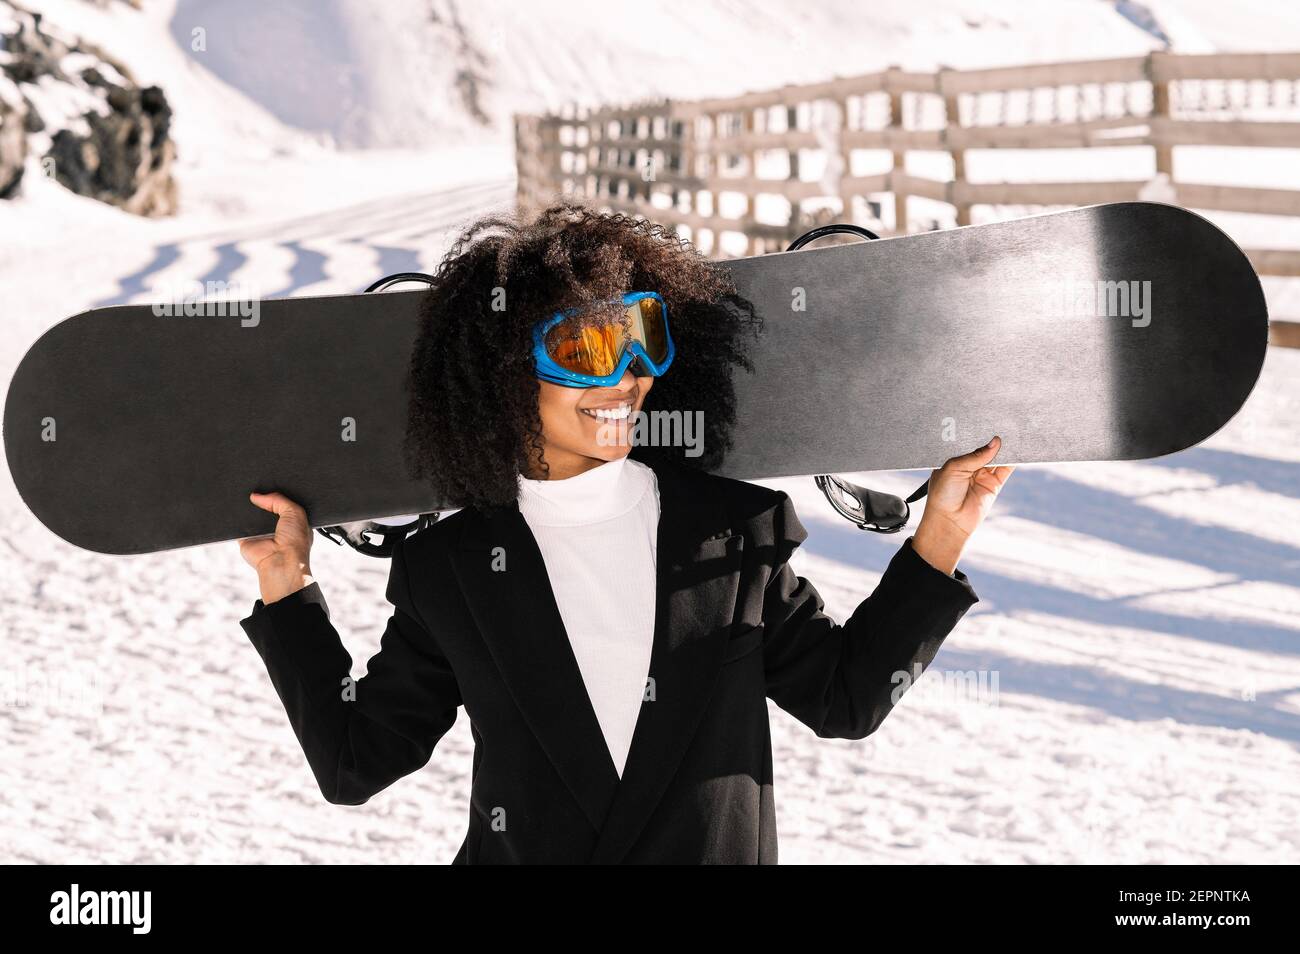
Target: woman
{"points": [[612, 617]]}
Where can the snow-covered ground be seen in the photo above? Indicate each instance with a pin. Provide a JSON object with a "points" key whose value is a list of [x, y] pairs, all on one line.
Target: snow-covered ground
{"points": [[1136, 650]]}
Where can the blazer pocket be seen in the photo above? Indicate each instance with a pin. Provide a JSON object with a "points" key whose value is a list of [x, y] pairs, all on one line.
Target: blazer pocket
{"points": [[740, 646]]}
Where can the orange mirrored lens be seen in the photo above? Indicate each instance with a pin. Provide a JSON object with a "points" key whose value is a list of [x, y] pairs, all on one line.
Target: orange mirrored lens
{"points": [[649, 317], [577, 344], [591, 342]]}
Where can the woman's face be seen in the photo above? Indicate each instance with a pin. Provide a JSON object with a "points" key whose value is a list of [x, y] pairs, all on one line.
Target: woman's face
{"points": [[585, 427]]}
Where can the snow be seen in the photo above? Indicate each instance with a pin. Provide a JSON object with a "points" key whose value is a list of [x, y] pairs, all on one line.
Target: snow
{"points": [[1243, 26], [1138, 634]]}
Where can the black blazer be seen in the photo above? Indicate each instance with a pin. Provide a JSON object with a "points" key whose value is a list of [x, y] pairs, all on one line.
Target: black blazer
{"points": [[734, 627]]}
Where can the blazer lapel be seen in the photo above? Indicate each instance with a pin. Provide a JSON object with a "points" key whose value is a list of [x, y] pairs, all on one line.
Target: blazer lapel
{"points": [[520, 621], [698, 577]]}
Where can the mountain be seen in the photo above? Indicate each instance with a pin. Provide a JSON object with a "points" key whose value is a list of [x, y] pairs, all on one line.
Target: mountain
{"points": [[429, 73]]}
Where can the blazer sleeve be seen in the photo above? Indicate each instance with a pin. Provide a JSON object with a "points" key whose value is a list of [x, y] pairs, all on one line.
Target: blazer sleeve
{"points": [[359, 737], [843, 680]]}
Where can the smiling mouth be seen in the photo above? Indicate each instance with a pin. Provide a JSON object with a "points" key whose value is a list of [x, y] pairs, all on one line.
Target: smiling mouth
{"points": [[620, 413]]}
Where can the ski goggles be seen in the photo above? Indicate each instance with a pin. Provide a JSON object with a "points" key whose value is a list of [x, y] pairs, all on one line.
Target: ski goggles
{"points": [[592, 346]]}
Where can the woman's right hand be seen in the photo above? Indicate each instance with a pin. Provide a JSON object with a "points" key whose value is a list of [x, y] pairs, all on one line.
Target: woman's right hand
{"points": [[281, 558]]}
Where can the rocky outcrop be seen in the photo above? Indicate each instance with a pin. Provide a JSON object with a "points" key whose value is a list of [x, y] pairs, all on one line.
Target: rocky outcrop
{"points": [[126, 157], [99, 133], [13, 142]]}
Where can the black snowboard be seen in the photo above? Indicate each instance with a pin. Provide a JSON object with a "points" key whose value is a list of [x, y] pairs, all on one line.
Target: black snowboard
{"points": [[906, 351]]}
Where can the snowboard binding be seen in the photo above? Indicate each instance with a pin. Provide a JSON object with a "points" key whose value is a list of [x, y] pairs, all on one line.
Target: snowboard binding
{"points": [[865, 508], [869, 509], [374, 537], [378, 538]]}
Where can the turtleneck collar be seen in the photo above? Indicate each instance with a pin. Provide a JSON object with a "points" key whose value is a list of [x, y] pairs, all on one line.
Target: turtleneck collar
{"points": [[606, 491]]}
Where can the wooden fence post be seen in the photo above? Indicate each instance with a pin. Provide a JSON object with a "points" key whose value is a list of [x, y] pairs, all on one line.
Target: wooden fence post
{"points": [[846, 159], [747, 221], [1160, 110], [895, 90], [952, 120], [792, 151]]}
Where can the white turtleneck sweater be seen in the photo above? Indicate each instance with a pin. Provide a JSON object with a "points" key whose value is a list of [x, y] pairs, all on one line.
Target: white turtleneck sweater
{"points": [[597, 533]]}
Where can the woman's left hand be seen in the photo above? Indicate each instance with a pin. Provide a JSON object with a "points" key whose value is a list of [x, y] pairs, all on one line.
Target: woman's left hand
{"points": [[961, 495]]}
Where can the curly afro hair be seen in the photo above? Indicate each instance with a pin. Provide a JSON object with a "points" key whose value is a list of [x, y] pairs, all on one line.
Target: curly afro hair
{"points": [[474, 425]]}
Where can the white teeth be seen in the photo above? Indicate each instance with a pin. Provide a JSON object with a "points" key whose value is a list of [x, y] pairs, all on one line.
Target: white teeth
{"points": [[610, 413]]}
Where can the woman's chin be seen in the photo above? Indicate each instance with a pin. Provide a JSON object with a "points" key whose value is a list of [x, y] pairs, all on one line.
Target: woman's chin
{"points": [[609, 452]]}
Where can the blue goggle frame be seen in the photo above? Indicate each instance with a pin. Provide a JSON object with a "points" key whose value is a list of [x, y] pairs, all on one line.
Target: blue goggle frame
{"points": [[549, 370]]}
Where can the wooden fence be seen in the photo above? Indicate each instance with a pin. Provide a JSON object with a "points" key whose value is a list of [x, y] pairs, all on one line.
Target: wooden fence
{"points": [[794, 148]]}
